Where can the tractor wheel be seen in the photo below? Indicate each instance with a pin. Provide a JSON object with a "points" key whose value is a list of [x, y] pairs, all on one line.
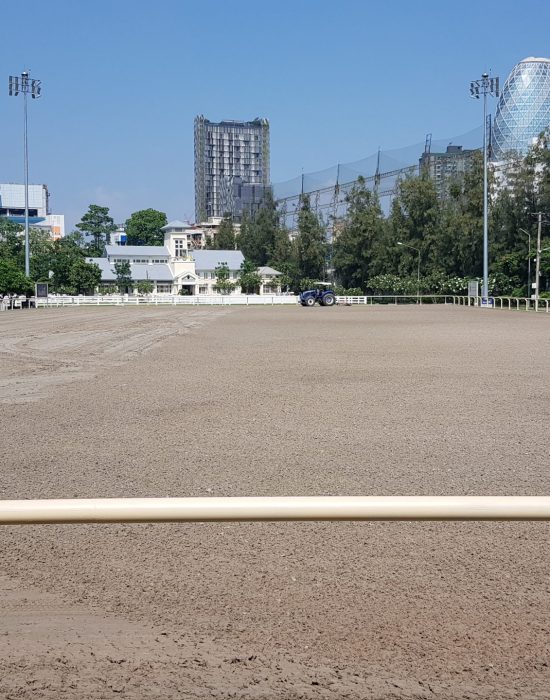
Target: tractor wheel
{"points": [[310, 301], [329, 300]]}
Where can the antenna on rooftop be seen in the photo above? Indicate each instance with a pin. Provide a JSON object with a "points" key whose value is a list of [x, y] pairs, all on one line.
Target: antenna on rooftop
{"points": [[428, 144]]}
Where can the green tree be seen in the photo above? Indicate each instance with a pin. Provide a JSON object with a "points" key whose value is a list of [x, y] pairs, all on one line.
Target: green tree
{"points": [[392, 284], [539, 157], [223, 284], [512, 206], [414, 219], [12, 247], [241, 241], [259, 234], [145, 287], [459, 249], [526, 191], [354, 247], [310, 243], [108, 289], [84, 276], [12, 279], [123, 273], [65, 253], [145, 227], [281, 251], [249, 279], [306, 283], [41, 250], [290, 275], [12, 243], [224, 239], [97, 224]]}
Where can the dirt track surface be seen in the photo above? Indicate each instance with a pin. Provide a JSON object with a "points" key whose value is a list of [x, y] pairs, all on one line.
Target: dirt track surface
{"points": [[275, 401]]}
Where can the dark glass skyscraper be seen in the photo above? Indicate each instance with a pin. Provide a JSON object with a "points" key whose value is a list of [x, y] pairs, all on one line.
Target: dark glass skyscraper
{"points": [[523, 110], [231, 166]]}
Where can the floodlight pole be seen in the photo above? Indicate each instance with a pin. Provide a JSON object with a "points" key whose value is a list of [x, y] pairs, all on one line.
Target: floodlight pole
{"points": [[26, 86], [26, 150], [485, 290], [485, 86]]}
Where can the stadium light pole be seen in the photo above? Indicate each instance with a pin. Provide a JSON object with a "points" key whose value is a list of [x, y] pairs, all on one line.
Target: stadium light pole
{"points": [[33, 87], [418, 269], [485, 86]]}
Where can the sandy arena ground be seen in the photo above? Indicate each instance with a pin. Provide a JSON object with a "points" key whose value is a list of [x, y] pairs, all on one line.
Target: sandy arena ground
{"points": [[275, 401]]}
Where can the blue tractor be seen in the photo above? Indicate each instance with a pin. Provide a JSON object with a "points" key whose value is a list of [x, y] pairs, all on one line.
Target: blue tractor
{"points": [[323, 296]]}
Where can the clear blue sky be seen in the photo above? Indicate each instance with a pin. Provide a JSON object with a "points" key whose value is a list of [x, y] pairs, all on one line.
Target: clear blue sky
{"points": [[124, 79]]}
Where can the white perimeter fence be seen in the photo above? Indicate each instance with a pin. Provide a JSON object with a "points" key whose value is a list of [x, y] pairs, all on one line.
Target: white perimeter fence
{"points": [[278, 508], [509, 303]]}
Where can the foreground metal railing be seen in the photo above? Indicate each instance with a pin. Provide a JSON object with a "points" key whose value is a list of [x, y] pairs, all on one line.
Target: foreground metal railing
{"points": [[395, 299], [293, 508], [508, 303]]}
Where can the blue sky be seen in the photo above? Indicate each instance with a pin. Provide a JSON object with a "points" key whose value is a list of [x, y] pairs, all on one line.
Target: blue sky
{"points": [[123, 81]]}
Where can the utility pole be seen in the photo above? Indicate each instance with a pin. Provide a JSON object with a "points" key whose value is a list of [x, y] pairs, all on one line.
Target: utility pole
{"points": [[33, 87], [529, 290], [485, 86], [537, 270]]}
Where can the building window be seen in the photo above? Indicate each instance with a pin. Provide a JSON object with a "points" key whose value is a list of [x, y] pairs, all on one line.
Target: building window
{"points": [[180, 247], [163, 288], [203, 290]]}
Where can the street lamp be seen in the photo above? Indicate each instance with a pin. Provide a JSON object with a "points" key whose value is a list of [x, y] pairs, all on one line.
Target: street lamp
{"points": [[485, 86], [33, 88], [418, 270], [528, 263]]}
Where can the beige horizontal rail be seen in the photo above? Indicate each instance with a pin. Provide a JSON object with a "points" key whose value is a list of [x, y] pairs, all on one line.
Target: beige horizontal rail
{"points": [[147, 510]]}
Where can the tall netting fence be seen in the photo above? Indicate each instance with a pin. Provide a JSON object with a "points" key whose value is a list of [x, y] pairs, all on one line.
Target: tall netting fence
{"points": [[327, 189]]}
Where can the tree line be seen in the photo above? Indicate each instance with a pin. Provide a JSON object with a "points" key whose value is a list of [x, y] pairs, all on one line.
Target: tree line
{"points": [[443, 234]]}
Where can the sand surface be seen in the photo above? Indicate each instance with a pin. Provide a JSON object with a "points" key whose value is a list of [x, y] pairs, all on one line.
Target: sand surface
{"points": [[276, 401]]}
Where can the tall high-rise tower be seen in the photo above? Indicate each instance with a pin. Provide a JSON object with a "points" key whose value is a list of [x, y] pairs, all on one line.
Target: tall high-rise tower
{"points": [[523, 110], [231, 166]]}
